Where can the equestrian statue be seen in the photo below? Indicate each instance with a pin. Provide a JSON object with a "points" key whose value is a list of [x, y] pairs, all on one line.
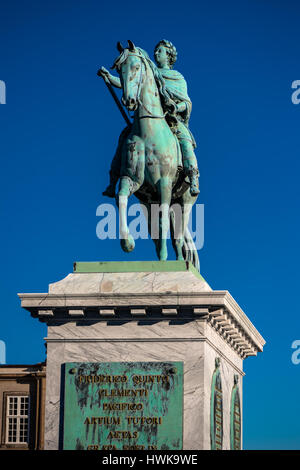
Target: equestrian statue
{"points": [[155, 158]]}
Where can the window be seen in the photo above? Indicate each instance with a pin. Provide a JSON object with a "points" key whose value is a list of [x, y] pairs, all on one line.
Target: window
{"points": [[17, 410]]}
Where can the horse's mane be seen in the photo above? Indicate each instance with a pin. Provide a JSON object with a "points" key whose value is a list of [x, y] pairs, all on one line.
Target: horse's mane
{"points": [[160, 81]]}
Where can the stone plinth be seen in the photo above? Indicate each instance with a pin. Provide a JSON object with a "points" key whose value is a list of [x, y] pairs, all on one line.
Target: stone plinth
{"points": [[146, 312]]}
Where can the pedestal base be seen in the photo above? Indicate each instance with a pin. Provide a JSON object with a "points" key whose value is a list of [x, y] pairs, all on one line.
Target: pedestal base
{"points": [[147, 312]]}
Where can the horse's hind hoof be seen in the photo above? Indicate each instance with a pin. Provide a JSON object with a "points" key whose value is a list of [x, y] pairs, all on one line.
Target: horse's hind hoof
{"points": [[127, 244]]}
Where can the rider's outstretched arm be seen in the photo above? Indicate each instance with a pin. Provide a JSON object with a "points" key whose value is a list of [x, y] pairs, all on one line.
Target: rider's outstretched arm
{"points": [[115, 81]]}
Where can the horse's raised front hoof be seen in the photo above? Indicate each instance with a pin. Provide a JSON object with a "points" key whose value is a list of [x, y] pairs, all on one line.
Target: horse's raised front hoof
{"points": [[127, 244], [110, 191]]}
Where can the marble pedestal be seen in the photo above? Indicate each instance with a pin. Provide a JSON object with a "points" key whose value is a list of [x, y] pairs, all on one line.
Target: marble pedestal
{"points": [[146, 312]]}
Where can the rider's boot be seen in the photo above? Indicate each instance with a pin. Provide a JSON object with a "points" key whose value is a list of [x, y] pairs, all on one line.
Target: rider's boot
{"points": [[193, 175]]}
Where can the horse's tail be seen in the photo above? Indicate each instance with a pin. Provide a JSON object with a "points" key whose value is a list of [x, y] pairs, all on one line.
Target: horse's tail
{"points": [[189, 250]]}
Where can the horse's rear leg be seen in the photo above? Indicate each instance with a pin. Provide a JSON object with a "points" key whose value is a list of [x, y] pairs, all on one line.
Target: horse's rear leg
{"points": [[164, 187], [125, 189], [153, 225], [176, 231]]}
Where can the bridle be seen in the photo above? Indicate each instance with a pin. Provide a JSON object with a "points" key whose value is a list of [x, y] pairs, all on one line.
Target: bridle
{"points": [[149, 115]]}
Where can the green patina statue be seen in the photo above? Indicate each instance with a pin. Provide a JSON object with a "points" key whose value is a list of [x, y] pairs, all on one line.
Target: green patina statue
{"points": [[155, 156], [175, 85]]}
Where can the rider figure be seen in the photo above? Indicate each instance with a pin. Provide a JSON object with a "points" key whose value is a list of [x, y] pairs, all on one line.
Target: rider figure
{"points": [[165, 56]]}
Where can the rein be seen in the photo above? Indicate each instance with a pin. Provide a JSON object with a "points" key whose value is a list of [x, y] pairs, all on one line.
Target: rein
{"points": [[149, 115]]}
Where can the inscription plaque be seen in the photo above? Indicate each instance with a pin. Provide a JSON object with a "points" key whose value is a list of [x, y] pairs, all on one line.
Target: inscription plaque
{"points": [[123, 406]]}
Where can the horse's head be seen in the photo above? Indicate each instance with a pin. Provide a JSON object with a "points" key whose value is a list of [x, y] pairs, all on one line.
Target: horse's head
{"points": [[130, 65]]}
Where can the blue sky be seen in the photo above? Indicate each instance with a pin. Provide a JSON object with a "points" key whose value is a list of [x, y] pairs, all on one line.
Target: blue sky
{"points": [[58, 133]]}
